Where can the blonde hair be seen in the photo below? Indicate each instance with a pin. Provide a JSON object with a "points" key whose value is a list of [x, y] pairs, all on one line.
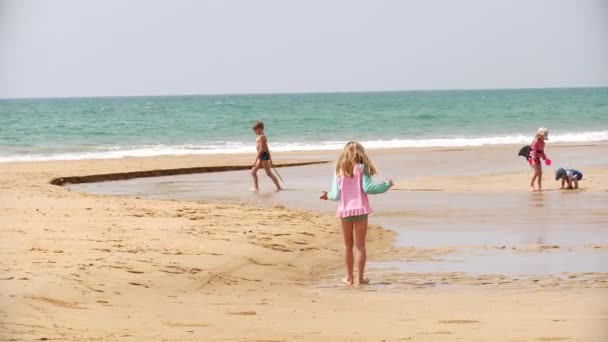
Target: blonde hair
{"points": [[353, 154]]}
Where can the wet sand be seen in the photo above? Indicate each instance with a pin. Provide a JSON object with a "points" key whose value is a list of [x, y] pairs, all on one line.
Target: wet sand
{"points": [[459, 212], [201, 258]]}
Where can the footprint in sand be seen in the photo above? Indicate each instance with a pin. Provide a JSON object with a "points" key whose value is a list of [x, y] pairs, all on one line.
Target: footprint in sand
{"points": [[459, 321], [138, 284], [247, 279], [259, 263], [57, 302], [277, 247], [243, 313], [436, 333], [176, 269], [299, 242], [172, 272], [189, 325]]}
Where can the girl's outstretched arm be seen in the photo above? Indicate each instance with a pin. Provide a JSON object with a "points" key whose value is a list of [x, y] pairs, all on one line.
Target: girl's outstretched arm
{"points": [[334, 193], [370, 188]]}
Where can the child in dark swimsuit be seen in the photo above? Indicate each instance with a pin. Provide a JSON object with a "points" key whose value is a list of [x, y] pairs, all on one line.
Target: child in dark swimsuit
{"points": [[262, 158]]}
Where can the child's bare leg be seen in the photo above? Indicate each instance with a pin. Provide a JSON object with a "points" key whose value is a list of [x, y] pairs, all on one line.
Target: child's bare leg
{"points": [[535, 167], [254, 174], [532, 187], [575, 181], [533, 178], [360, 235], [347, 233], [532, 182], [540, 178], [266, 165]]}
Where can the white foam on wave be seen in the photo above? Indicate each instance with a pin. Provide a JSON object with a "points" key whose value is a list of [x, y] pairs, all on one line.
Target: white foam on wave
{"points": [[239, 147]]}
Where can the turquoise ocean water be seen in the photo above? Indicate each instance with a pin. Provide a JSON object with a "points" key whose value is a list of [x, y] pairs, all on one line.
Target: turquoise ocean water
{"points": [[77, 128]]}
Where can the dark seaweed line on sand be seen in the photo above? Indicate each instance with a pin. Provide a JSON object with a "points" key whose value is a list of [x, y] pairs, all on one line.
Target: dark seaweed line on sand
{"points": [[165, 172]]}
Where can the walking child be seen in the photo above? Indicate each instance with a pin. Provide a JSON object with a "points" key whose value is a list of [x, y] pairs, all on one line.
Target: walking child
{"points": [[352, 183], [262, 158], [537, 152]]}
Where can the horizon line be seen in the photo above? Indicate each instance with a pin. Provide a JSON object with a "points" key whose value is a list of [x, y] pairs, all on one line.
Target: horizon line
{"points": [[299, 93]]}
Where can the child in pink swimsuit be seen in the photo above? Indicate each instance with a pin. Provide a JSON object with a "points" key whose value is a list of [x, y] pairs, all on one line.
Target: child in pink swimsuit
{"points": [[352, 183], [537, 151]]}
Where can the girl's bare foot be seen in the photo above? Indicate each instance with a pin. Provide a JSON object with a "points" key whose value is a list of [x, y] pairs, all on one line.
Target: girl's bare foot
{"points": [[363, 281], [347, 282], [254, 189]]}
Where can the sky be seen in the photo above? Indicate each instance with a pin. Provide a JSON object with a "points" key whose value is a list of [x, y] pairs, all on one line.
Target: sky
{"points": [[72, 48]]}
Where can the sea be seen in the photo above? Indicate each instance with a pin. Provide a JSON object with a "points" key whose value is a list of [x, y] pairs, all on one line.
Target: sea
{"points": [[117, 127]]}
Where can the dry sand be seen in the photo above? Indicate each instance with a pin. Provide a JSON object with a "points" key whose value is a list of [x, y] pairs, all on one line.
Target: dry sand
{"points": [[83, 267]]}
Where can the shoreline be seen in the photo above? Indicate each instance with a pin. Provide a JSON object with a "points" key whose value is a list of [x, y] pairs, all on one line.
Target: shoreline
{"points": [[137, 167], [317, 151]]}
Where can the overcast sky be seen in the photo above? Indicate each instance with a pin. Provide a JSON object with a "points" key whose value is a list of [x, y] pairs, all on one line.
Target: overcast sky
{"points": [[148, 47]]}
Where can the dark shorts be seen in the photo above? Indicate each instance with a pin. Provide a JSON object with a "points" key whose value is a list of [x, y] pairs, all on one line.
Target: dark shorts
{"points": [[265, 156]]}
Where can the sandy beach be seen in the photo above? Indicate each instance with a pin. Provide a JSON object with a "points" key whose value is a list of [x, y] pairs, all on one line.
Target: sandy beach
{"points": [[82, 266], [129, 130]]}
